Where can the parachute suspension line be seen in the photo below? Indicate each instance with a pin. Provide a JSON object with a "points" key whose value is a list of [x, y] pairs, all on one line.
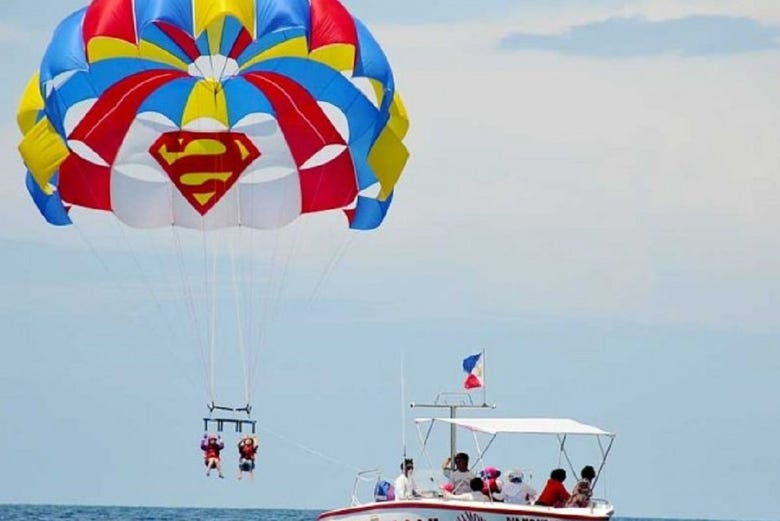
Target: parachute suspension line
{"points": [[202, 107], [309, 450], [330, 267], [266, 303], [161, 254], [275, 293], [191, 311], [276, 278], [286, 269], [213, 281], [239, 323], [211, 305], [244, 281], [123, 290], [334, 259], [251, 327], [93, 250], [155, 298]]}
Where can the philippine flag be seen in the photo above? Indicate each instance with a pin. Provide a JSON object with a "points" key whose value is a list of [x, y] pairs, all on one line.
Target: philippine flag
{"points": [[472, 365]]}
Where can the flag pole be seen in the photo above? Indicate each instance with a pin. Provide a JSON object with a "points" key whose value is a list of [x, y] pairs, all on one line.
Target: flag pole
{"points": [[444, 403], [484, 378]]}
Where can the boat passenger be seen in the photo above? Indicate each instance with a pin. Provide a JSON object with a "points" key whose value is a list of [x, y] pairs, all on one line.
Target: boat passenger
{"points": [[404, 487], [460, 476], [474, 493], [491, 482], [554, 493], [211, 446], [582, 491], [247, 448], [515, 490]]}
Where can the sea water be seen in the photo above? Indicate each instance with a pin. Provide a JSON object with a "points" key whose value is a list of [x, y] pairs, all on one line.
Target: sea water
{"points": [[90, 513]]}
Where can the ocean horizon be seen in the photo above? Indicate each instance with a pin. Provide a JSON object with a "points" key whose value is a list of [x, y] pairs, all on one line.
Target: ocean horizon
{"points": [[44, 512]]}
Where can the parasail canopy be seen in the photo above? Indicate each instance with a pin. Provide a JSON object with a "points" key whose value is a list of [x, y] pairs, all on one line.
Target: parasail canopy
{"points": [[207, 114], [214, 114]]}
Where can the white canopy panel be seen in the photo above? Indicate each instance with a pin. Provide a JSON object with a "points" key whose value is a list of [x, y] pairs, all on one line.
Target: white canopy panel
{"points": [[521, 425]]}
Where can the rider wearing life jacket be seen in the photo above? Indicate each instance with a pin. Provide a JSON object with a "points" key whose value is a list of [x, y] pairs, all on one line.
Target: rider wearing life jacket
{"points": [[211, 446], [247, 448]]}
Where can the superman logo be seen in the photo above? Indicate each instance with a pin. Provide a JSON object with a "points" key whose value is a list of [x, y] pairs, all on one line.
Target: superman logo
{"points": [[204, 165]]}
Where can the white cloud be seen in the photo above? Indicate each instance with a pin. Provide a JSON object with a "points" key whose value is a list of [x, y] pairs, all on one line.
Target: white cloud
{"points": [[645, 190], [763, 10], [557, 18]]}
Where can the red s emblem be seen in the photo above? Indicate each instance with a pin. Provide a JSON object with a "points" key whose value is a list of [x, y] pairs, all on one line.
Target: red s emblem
{"points": [[204, 165]]}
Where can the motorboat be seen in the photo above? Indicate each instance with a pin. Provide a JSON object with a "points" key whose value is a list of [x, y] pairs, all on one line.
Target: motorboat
{"points": [[438, 505]]}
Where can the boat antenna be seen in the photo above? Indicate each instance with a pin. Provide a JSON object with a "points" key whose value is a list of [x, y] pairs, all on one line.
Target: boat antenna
{"points": [[403, 405]]}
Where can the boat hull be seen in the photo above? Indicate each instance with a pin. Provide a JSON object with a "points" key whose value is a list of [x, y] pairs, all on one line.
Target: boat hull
{"points": [[456, 510]]}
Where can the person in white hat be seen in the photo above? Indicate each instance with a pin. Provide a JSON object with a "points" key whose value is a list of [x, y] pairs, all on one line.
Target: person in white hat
{"points": [[516, 490]]}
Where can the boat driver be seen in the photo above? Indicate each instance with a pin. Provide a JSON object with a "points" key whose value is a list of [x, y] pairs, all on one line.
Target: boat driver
{"points": [[460, 477]]}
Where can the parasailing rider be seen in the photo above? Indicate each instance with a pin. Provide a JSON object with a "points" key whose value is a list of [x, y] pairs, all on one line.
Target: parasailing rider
{"points": [[247, 448], [211, 446]]}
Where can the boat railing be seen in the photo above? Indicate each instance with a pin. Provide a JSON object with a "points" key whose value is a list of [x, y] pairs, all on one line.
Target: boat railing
{"points": [[364, 476], [599, 504]]}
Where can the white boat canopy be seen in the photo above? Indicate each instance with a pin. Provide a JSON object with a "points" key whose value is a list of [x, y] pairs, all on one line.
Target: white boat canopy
{"points": [[560, 426]]}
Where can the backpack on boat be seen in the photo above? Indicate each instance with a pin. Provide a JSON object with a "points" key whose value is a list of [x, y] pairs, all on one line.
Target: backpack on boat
{"points": [[384, 491]]}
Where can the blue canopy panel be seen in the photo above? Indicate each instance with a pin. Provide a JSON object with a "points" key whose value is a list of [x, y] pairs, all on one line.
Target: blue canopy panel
{"points": [[153, 34], [175, 12], [268, 41], [170, 99], [106, 73], [244, 98], [328, 85], [276, 15], [91, 83], [66, 51], [361, 146], [50, 205], [368, 213], [78, 88], [203, 43], [230, 32], [372, 63], [62, 99]]}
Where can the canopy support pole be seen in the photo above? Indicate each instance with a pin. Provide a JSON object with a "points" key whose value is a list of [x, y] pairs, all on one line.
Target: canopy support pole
{"points": [[603, 459], [442, 403]]}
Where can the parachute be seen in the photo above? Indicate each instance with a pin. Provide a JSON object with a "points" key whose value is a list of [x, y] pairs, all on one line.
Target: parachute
{"points": [[206, 115]]}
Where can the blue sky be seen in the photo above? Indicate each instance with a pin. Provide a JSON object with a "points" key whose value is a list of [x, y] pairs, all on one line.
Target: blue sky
{"points": [[605, 228]]}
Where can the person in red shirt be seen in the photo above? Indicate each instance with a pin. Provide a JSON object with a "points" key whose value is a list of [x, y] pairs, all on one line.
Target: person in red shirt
{"points": [[554, 493], [211, 446]]}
